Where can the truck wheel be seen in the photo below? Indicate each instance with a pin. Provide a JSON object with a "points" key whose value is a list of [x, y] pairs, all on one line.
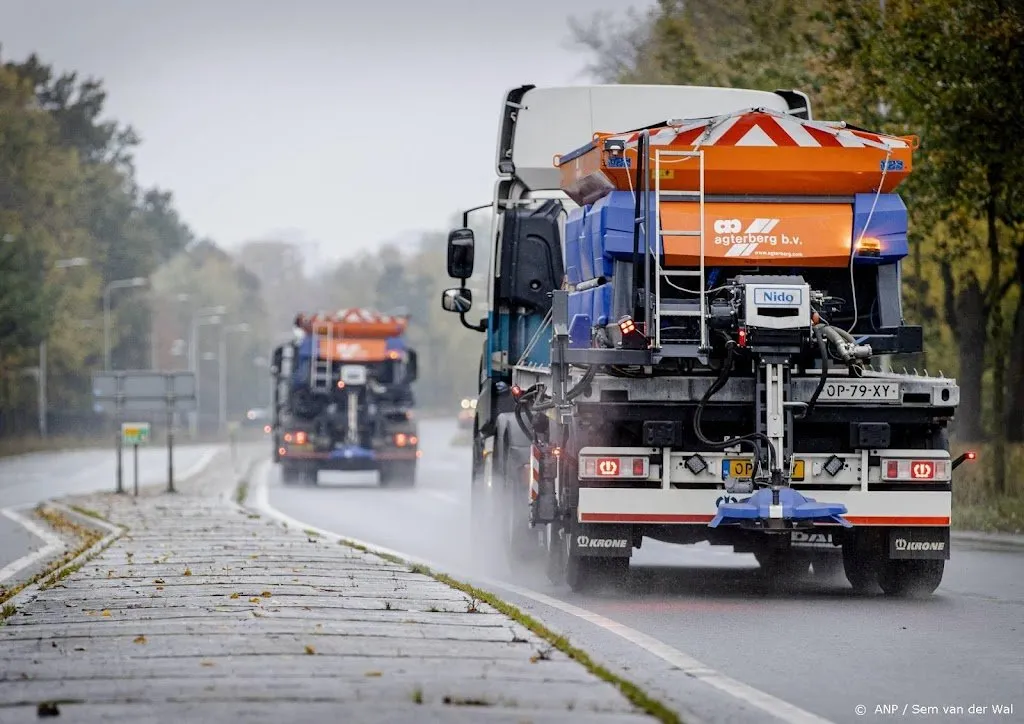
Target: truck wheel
{"points": [[910, 578], [783, 565], [522, 543], [289, 474], [826, 566], [585, 573], [398, 474], [861, 568]]}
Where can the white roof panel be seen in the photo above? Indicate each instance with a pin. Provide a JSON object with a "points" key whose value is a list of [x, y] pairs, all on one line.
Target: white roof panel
{"points": [[555, 121]]}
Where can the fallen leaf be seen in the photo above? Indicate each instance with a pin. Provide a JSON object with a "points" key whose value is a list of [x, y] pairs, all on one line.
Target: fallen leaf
{"points": [[310, 650], [140, 639], [234, 595], [374, 673], [158, 580], [159, 588], [206, 663], [106, 613], [188, 572], [254, 599], [265, 594]]}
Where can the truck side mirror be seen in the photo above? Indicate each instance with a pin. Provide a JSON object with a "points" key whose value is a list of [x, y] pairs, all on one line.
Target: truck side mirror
{"points": [[460, 253], [458, 300]]}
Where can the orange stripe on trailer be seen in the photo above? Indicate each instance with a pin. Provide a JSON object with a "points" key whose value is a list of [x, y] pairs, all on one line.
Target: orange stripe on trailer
{"points": [[644, 518], [897, 519], [691, 518]]}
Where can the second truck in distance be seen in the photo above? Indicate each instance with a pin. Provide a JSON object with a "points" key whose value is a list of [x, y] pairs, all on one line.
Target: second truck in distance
{"points": [[343, 398]]}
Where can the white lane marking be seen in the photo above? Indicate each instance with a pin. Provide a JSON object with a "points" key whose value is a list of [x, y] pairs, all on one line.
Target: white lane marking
{"points": [[53, 545], [767, 703], [199, 465]]}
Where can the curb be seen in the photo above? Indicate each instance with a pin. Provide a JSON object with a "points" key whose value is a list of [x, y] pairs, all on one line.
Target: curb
{"points": [[29, 593], [1009, 540]]}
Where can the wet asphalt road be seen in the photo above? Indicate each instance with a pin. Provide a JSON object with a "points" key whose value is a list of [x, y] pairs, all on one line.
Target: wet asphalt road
{"points": [[814, 645], [29, 479]]}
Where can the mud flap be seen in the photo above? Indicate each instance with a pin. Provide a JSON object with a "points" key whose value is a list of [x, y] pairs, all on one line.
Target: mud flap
{"points": [[930, 543], [601, 540]]}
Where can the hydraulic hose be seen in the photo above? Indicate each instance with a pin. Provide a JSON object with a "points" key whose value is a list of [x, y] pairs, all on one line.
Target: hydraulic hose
{"points": [[719, 383], [823, 350]]}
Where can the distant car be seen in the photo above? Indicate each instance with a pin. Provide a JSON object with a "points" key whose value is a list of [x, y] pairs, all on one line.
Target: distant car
{"points": [[466, 414], [257, 417]]}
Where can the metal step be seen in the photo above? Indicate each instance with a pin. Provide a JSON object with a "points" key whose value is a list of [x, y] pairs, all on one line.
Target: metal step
{"points": [[680, 309], [680, 273]]}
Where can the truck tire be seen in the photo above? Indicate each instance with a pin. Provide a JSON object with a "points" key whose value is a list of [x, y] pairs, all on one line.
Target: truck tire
{"points": [[586, 573], [783, 565], [861, 565], [401, 474], [289, 474], [910, 578], [522, 543]]}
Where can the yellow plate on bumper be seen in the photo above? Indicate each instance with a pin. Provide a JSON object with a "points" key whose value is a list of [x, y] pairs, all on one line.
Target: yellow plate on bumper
{"points": [[737, 468]]}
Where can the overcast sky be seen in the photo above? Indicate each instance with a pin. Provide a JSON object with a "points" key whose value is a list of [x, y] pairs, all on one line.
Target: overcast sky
{"points": [[341, 122]]}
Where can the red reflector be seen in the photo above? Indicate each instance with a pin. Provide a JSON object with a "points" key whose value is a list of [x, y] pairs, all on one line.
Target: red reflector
{"points": [[638, 466], [892, 469], [971, 455], [607, 467], [922, 470]]}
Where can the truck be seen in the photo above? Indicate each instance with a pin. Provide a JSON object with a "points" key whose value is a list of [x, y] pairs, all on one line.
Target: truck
{"points": [[693, 301], [343, 398]]}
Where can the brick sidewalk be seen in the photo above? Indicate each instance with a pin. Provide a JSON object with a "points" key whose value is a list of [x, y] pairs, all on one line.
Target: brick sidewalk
{"points": [[202, 612]]}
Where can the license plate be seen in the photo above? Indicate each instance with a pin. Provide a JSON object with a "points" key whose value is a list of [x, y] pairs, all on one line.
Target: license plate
{"points": [[861, 392], [740, 468]]}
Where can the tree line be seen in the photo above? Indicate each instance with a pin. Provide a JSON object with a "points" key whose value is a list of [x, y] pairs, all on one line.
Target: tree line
{"points": [[76, 227], [951, 73]]}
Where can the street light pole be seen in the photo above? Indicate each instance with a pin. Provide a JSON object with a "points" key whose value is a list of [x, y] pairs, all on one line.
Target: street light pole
{"points": [[206, 316], [222, 355], [116, 284]]}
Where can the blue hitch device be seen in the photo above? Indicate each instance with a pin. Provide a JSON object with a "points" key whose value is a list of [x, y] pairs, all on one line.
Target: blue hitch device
{"points": [[761, 511]]}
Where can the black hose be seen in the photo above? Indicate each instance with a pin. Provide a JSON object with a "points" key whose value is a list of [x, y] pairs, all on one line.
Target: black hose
{"points": [[823, 350], [719, 383]]}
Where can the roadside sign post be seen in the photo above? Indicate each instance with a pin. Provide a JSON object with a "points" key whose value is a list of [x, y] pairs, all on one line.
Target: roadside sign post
{"points": [[135, 434], [144, 391]]}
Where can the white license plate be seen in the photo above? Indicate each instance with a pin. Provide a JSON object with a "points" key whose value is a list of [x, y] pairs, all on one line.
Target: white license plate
{"points": [[850, 391]]}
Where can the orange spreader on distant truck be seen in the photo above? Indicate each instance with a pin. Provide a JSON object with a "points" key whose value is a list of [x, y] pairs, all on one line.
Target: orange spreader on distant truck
{"points": [[693, 297]]}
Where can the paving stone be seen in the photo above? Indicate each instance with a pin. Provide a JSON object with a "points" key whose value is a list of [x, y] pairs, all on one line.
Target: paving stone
{"points": [[203, 612]]}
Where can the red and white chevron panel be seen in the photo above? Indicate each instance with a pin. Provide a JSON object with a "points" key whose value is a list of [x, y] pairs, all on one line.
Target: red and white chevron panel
{"points": [[764, 128]]}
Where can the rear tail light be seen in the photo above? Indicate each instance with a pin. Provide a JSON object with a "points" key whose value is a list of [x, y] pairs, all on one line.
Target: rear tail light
{"points": [[300, 438], [401, 439], [612, 466], [908, 470]]}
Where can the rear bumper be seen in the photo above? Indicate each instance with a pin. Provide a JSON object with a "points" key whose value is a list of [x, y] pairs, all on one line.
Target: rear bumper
{"points": [[348, 458], [697, 507]]}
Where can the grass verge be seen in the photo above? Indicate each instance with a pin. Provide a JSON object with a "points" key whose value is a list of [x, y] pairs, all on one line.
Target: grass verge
{"points": [[631, 691], [23, 445], [976, 505], [60, 568]]}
